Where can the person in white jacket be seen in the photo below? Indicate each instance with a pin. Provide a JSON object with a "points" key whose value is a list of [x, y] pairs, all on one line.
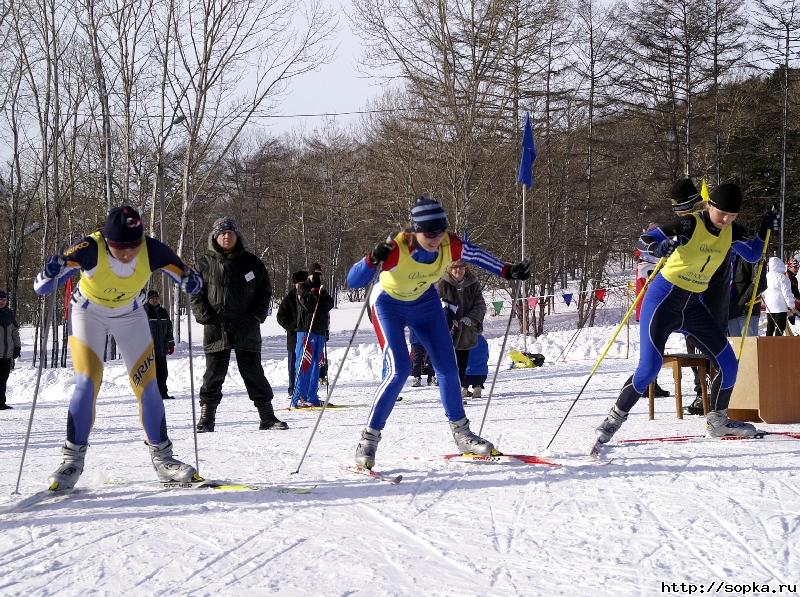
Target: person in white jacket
{"points": [[777, 297]]}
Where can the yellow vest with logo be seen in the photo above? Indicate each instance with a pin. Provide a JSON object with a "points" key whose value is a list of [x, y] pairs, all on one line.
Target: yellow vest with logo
{"points": [[106, 288], [409, 279], [691, 266]]}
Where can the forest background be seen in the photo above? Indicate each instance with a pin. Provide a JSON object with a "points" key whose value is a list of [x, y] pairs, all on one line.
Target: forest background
{"points": [[156, 103]]}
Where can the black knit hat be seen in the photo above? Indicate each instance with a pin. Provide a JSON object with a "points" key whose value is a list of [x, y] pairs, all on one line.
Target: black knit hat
{"points": [[222, 225], [684, 195], [427, 215], [299, 276], [727, 197], [151, 294], [3, 294], [316, 268], [123, 228]]}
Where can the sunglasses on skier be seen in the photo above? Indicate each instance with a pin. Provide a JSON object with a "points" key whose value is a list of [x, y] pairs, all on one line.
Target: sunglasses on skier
{"points": [[432, 235]]}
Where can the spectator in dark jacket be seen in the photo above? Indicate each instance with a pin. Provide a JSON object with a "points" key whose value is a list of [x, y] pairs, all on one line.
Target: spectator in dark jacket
{"points": [[313, 305], [287, 319], [163, 342], [462, 298], [232, 305], [10, 345], [741, 292]]}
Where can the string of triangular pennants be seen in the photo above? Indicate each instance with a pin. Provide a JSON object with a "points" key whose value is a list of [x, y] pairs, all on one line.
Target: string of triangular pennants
{"points": [[533, 301]]}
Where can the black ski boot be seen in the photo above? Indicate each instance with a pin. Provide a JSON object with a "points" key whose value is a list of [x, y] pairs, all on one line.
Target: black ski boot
{"points": [[660, 392], [695, 408], [268, 419], [208, 415]]}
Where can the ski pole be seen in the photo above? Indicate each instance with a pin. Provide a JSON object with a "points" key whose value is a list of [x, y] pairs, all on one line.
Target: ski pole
{"points": [[502, 352], [568, 346], [49, 318], [756, 280], [608, 346], [191, 387], [563, 350], [332, 384], [305, 344]]}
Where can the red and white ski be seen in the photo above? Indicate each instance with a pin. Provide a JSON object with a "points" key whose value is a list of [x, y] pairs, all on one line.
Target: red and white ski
{"points": [[500, 459], [676, 439], [527, 459]]}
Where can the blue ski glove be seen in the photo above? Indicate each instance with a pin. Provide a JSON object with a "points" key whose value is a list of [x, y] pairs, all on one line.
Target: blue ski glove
{"points": [[666, 247], [191, 282], [55, 266]]}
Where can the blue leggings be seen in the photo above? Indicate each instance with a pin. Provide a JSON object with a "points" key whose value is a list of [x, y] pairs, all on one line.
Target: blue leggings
{"points": [[666, 309], [425, 317]]}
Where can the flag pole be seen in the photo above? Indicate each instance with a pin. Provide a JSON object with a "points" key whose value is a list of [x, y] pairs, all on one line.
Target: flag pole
{"points": [[524, 304]]}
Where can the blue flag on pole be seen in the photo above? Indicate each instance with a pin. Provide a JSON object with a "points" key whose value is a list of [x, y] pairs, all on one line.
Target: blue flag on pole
{"points": [[525, 173]]}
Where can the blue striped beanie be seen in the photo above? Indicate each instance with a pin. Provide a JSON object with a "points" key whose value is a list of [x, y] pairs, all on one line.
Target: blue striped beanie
{"points": [[427, 215]]}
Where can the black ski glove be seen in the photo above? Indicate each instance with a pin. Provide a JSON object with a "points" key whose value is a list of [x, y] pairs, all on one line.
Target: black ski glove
{"points": [[16, 352], [519, 271], [771, 220], [380, 253], [666, 247]]}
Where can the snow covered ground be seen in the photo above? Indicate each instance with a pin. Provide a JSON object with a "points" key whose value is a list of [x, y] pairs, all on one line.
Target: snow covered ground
{"points": [[657, 516]]}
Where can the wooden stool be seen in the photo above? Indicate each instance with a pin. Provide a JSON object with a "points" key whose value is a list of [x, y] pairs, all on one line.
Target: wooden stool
{"points": [[677, 362]]}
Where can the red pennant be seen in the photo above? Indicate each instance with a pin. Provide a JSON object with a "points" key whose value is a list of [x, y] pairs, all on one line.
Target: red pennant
{"points": [[600, 294], [533, 301]]}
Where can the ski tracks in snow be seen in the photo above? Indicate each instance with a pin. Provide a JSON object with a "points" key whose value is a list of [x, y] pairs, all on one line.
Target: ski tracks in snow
{"points": [[450, 572]]}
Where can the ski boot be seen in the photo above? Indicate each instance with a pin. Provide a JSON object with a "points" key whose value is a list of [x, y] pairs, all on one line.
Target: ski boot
{"points": [[417, 382], [268, 419], [695, 408], [365, 452], [208, 415], [660, 392], [718, 425], [5, 406], [476, 391], [465, 393], [467, 442], [168, 468], [71, 467], [611, 424]]}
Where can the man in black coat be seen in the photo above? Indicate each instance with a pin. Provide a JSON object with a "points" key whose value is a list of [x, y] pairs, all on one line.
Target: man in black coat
{"points": [[163, 341], [287, 319], [232, 305], [9, 346]]}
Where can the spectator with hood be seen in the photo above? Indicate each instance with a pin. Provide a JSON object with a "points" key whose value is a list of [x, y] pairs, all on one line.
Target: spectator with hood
{"points": [[778, 297]]}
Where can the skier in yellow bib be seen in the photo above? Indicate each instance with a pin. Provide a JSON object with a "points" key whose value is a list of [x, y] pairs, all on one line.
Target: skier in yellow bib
{"points": [[695, 245], [115, 265]]}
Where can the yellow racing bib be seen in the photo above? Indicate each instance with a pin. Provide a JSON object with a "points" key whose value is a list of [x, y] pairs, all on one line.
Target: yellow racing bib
{"points": [[106, 288], [409, 279], [691, 266]]}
